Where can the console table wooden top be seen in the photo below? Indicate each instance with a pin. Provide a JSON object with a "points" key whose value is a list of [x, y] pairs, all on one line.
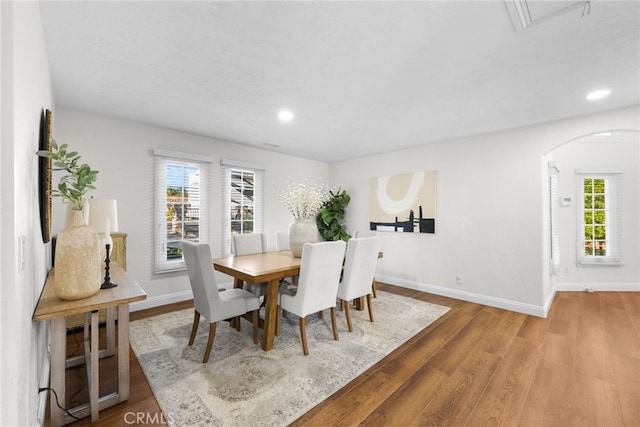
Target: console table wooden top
{"points": [[50, 306]]}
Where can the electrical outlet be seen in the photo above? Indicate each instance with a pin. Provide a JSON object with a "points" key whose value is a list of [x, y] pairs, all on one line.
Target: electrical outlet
{"points": [[459, 280]]}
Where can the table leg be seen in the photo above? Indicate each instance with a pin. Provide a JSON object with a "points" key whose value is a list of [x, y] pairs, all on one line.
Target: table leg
{"points": [[123, 352], [58, 358], [92, 358], [237, 284], [270, 313], [111, 332]]}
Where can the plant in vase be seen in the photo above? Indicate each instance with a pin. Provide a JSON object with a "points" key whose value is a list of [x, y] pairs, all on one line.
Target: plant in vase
{"points": [[78, 259], [304, 200], [331, 216]]}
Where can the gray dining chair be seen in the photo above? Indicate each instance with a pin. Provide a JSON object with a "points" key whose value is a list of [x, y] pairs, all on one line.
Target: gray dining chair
{"points": [[249, 244], [359, 272], [210, 303], [320, 267]]}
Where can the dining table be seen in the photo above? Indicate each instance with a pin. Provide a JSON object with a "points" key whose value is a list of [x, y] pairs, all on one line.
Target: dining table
{"points": [[269, 268], [266, 267]]}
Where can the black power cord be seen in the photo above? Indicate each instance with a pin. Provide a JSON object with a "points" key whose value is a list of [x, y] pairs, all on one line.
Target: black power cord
{"points": [[41, 389]]}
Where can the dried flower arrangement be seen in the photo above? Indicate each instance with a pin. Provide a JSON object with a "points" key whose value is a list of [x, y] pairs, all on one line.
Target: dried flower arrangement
{"points": [[303, 198]]}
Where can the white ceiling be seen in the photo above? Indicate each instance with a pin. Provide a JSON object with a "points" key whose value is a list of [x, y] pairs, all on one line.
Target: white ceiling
{"points": [[360, 77]]}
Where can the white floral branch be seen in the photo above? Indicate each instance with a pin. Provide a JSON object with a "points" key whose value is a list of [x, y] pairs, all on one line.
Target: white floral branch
{"points": [[303, 199]]}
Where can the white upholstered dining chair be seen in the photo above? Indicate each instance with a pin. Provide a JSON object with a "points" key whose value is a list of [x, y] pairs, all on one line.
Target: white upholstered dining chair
{"points": [[248, 244], [365, 233], [282, 240], [368, 233], [282, 244], [210, 303], [359, 272], [320, 267]]}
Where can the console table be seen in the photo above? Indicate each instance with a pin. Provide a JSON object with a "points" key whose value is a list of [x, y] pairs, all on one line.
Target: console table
{"points": [[52, 308]]}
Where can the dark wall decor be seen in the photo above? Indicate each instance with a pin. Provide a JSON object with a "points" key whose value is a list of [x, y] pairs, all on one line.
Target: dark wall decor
{"points": [[395, 201], [44, 176]]}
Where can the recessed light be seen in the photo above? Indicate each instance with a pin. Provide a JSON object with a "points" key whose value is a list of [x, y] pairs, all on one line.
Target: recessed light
{"points": [[597, 94], [285, 115]]}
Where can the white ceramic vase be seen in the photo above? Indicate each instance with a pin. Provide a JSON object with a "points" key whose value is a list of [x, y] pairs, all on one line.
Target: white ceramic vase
{"points": [[301, 231], [78, 266]]}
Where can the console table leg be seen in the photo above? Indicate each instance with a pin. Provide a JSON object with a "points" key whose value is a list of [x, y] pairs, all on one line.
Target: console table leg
{"points": [[92, 358], [58, 359], [123, 352], [111, 332]]}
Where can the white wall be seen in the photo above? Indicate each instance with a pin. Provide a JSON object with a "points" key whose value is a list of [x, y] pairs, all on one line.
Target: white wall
{"points": [[122, 152], [491, 224], [622, 154], [26, 90]]}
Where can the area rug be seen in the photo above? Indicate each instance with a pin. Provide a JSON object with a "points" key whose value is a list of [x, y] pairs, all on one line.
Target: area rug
{"points": [[245, 386]]}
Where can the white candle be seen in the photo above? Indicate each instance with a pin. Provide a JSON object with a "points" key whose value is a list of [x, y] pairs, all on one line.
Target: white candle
{"points": [[107, 234]]}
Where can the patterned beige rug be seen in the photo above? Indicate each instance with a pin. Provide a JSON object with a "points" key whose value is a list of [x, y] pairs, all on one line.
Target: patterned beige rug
{"points": [[245, 386]]}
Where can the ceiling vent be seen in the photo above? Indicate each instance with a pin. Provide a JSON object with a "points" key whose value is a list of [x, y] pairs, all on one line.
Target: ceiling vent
{"points": [[525, 13]]}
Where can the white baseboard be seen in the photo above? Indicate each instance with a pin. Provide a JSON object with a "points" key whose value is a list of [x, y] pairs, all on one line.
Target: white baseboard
{"points": [[158, 301], [152, 302], [606, 287], [549, 301], [43, 382], [534, 310]]}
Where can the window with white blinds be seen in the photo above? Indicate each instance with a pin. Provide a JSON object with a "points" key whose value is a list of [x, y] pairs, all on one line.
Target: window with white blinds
{"points": [[599, 217], [242, 200], [554, 217], [181, 205]]}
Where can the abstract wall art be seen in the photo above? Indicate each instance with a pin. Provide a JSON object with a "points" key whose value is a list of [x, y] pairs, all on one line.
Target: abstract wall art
{"points": [[403, 203]]}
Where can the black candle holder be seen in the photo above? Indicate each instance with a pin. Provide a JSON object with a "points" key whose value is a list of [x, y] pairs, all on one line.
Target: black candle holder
{"points": [[108, 283]]}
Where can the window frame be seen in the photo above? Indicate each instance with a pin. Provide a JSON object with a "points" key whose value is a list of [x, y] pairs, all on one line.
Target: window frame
{"points": [[612, 208], [229, 166], [161, 159]]}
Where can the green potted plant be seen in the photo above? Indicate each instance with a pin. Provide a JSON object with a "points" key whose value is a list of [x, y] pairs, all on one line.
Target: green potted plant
{"points": [[330, 219], [79, 179], [78, 259]]}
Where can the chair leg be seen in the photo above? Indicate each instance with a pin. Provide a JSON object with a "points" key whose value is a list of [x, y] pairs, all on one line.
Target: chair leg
{"points": [[347, 313], [370, 307], [194, 328], [212, 335], [334, 323], [254, 320], [303, 335], [238, 327], [373, 288]]}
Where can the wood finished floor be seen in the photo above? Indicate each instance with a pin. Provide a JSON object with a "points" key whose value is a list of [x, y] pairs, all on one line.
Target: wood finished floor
{"points": [[475, 366]]}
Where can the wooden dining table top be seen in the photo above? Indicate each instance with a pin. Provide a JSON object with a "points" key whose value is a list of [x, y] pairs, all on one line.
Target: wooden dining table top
{"points": [[261, 267]]}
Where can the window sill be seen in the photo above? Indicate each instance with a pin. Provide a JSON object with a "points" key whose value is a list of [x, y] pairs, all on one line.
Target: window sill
{"points": [[600, 262]]}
